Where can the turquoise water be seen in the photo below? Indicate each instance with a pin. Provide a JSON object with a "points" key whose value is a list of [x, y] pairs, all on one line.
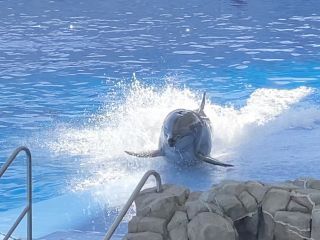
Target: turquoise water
{"points": [[82, 82]]}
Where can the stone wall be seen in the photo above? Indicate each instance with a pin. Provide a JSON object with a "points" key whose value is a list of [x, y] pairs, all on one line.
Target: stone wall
{"points": [[229, 211]]}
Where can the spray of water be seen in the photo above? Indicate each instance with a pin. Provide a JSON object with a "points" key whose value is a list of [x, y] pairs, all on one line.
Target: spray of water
{"points": [[135, 125]]}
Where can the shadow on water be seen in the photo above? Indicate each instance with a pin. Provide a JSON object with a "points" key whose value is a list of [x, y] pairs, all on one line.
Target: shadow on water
{"points": [[239, 2]]}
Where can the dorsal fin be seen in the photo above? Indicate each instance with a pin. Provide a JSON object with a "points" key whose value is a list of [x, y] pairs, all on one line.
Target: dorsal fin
{"points": [[203, 102]]}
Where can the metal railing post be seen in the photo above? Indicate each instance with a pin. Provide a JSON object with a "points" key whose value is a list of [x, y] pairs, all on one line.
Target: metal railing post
{"points": [[28, 209], [134, 194], [29, 197]]}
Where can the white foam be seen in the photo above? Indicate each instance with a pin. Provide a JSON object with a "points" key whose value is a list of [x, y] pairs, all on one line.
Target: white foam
{"points": [[264, 106], [135, 125]]}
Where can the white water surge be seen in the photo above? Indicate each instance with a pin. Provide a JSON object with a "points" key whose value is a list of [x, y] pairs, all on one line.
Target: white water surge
{"points": [[271, 127]]}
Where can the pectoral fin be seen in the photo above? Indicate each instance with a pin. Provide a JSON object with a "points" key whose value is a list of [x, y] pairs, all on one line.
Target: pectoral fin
{"points": [[147, 154], [213, 161]]}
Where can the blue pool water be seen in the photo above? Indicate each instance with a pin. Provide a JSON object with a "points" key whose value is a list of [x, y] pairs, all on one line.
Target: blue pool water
{"points": [[83, 81]]}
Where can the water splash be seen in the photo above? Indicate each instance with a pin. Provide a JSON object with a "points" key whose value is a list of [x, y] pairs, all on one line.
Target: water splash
{"points": [[135, 124], [264, 107]]}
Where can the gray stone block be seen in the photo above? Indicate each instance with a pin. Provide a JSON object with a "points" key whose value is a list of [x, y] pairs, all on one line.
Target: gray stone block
{"points": [[231, 206], [266, 227], [179, 218], [296, 207], [248, 202], [257, 190], [248, 227], [232, 210], [163, 204], [147, 224], [314, 184], [208, 225], [177, 227], [179, 233], [195, 207], [302, 199], [292, 225], [275, 200], [194, 196], [315, 233], [230, 187], [143, 236]]}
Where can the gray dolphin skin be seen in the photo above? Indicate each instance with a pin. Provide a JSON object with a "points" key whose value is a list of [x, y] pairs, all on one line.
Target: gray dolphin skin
{"points": [[185, 138]]}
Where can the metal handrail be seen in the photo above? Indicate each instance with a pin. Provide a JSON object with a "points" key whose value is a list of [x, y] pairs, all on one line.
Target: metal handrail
{"points": [[134, 194], [28, 209]]}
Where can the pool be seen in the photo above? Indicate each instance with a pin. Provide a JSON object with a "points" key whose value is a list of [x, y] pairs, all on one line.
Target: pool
{"points": [[83, 82]]}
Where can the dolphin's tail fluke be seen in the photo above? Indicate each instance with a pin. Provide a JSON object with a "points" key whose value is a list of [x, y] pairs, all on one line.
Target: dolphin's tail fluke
{"points": [[147, 154], [203, 102]]}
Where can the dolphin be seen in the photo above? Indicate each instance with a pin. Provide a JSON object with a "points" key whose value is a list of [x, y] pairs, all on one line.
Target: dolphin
{"points": [[185, 138]]}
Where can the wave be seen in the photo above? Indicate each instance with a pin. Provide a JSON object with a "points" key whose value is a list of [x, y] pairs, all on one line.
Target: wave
{"points": [[135, 123]]}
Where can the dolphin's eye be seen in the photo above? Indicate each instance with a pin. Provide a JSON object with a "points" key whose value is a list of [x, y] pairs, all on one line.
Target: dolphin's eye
{"points": [[180, 112]]}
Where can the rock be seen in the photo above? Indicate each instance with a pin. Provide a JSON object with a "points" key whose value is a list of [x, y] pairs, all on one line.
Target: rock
{"points": [[147, 224], [285, 186], [302, 199], [179, 233], [160, 205], [266, 226], [177, 227], [257, 190], [179, 218], [210, 201], [182, 208], [194, 196], [301, 183], [314, 184], [232, 210], [195, 207], [133, 224], [292, 225], [248, 202], [315, 232], [209, 197], [296, 207], [208, 225], [143, 236], [275, 200], [216, 209], [163, 207], [181, 193], [315, 197], [231, 187], [231, 206], [248, 227], [251, 223]]}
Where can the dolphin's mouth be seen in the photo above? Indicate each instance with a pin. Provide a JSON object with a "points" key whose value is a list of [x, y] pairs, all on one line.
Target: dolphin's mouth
{"points": [[171, 142], [182, 143]]}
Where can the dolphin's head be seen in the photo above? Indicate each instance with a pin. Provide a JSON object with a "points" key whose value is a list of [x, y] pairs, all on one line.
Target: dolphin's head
{"points": [[181, 128]]}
